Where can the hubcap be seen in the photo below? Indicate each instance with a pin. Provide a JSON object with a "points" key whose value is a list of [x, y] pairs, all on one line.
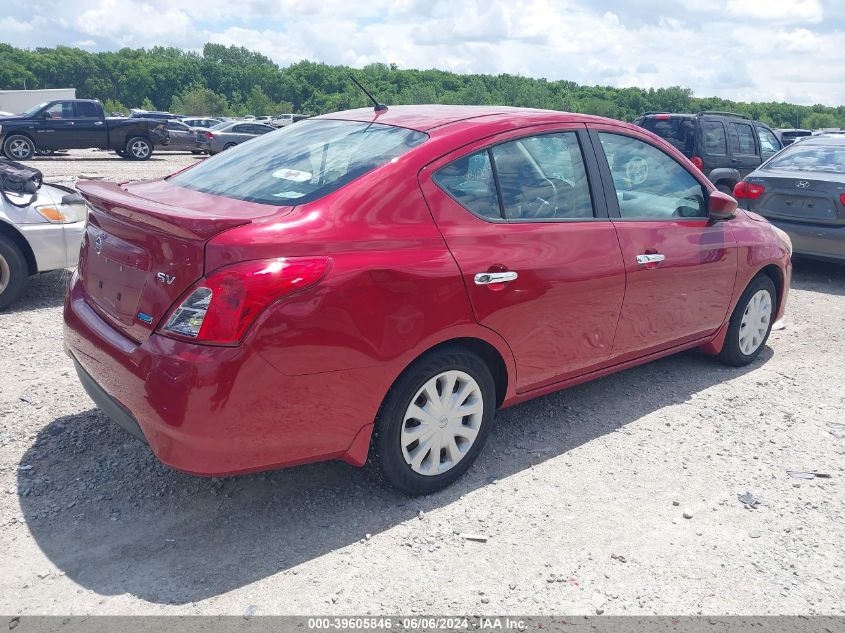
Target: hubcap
{"points": [[19, 148], [755, 322], [442, 423], [5, 274], [140, 149]]}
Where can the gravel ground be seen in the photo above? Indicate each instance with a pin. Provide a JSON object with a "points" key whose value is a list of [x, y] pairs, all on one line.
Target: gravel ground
{"points": [[619, 496]]}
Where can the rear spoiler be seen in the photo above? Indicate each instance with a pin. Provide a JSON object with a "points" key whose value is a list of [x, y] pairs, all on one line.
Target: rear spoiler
{"points": [[111, 199]]}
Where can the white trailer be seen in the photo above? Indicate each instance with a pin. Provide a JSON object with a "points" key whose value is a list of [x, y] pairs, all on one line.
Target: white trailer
{"points": [[17, 101]]}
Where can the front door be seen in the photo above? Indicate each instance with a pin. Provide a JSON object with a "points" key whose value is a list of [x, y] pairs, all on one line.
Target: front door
{"points": [[538, 254], [56, 129], [680, 267]]}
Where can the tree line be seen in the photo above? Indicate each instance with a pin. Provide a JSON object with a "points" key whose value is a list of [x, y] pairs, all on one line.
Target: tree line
{"points": [[231, 80]]}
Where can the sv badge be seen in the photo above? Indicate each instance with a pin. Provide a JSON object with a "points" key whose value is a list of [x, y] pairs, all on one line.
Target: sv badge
{"points": [[165, 278]]}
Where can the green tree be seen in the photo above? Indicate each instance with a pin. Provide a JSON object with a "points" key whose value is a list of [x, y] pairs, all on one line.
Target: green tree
{"points": [[200, 101]]}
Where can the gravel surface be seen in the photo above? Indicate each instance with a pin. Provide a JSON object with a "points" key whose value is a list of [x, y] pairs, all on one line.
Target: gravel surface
{"points": [[660, 490]]}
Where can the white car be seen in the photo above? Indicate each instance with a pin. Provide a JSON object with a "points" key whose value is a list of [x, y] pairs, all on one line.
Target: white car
{"points": [[39, 237]]}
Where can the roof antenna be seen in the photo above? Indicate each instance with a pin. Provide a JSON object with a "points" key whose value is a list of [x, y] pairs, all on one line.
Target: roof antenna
{"points": [[378, 107]]}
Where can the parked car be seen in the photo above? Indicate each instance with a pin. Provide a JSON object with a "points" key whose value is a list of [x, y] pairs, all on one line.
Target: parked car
{"points": [[78, 123], [725, 146], [371, 287], [205, 122], [182, 137], [228, 134], [789, 136], [802, 191], [42, 236], [286, 119]]}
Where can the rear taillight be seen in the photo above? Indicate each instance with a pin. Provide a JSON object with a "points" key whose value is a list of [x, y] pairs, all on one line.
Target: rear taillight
{"points": [[748, 190], [220, 308], [696, 160], [208, 135], [842, 199]]}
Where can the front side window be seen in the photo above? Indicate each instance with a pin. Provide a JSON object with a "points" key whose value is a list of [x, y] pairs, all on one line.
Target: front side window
{"points": [[62, 110], [650, 184], [744, 139], [769, 143], [715, 142], [300, 163], [536, 178]]}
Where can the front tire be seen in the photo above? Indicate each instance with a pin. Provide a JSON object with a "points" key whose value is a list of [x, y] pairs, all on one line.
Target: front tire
{"points": [[433, 422], [138, 148], [19, 147], [751, 323], [14, 276]]}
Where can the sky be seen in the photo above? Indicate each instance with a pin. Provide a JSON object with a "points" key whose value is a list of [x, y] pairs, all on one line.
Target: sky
{"points": [[747, 50]]}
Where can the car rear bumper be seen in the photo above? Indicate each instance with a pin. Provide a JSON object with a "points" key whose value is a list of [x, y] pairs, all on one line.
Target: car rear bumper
{"points": [[215, 410], [816, 240]]}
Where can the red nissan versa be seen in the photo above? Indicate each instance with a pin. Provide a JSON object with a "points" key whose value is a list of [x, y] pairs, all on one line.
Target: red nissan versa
{"points": [[372, 286]]}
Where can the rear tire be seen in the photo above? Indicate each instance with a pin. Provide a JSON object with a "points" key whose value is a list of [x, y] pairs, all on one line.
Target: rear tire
{"points": [[751, 323], [19, 147], [457, 421], [14, 275], [228, 146], [138, 148]]}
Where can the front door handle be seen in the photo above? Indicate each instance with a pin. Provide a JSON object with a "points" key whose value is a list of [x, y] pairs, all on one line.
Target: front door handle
{"points": [[483, 279], [98, 122], [650, 258]]}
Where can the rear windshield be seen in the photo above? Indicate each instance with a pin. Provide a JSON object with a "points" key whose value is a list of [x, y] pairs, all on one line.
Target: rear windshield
{"points": [[801, 157], [679, 131], [299, 163]]}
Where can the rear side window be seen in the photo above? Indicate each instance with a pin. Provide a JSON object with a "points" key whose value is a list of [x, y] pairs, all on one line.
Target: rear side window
{"points": [[87, 110], [715, 141], [650, 184], [679, 131], [536, 178], [469, 180], [300, 163], [744, 138]]}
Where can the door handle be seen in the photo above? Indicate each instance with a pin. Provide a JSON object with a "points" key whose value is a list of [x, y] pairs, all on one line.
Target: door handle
{"points": [[68, 122], [98, 122], [650, 258], [483, 279]]}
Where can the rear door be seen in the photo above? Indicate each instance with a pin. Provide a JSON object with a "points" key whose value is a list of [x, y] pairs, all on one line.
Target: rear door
{"points": [[745, 152], [524, 215], [714, 144], [181, 136], [680, 268], [89, 125]]}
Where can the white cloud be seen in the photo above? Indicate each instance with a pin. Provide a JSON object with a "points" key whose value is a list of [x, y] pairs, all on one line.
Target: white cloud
{"points": [[777, 10], [741, 49]]}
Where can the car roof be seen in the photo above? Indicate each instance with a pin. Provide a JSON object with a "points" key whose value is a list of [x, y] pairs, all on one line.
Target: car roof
{"points": [[424, 118], [822, 139]]}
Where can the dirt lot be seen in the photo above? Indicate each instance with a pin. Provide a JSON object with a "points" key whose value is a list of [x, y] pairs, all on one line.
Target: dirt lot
{"points": [[582, 494]]}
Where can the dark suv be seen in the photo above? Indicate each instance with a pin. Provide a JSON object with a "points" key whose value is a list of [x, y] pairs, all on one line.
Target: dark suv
{"points": [[725, 146]]}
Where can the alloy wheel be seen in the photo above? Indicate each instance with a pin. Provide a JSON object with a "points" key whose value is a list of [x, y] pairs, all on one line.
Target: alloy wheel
{"points": [[5, 274], [19, 148], [755, 322], [442, 422], [140, 149]]}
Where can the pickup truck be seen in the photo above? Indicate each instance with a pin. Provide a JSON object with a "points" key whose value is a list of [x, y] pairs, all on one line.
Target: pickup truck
{"points": [[76, 124]]}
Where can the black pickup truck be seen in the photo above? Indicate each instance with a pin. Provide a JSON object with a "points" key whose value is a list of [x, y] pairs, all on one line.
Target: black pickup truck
{"points": [[75, 124]]}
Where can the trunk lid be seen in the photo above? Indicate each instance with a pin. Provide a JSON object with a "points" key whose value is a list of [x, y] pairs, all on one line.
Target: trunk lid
{"points": [[144, 246], [800, 196]]}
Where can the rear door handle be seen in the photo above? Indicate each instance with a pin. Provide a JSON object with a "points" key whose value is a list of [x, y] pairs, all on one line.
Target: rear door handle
{"points": [[650, 258], [483, 279]]}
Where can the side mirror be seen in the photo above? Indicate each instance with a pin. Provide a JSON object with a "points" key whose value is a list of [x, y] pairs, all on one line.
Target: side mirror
{"points": [[721, 206]]}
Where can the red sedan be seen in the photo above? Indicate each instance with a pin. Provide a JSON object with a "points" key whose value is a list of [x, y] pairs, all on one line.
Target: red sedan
{"points": [[371, 287]]}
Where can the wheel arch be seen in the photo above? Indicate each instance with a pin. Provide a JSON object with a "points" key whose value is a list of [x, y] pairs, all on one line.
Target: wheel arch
{"points": [[24, 133], [773, 272], [15, 236]]}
